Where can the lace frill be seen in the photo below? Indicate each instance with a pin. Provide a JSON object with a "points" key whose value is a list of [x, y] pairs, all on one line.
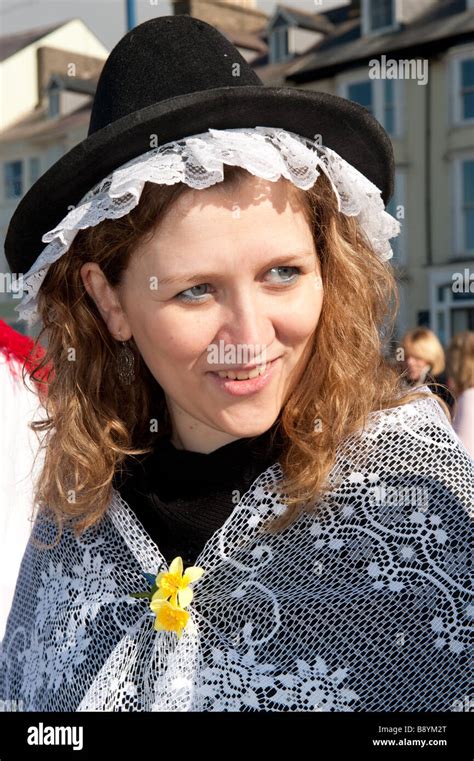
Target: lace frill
{"points": [[198, 161]]}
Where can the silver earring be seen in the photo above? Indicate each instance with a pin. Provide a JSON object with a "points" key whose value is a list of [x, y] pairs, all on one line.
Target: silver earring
{"points": [[126, 364]]}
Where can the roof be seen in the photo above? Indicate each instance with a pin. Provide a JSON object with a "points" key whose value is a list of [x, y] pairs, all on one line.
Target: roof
{"points": [[437, 27], [12, 43], [274, 74], [37, 124], [247, 40], [335, 23], [225, 5], [304, 20]]}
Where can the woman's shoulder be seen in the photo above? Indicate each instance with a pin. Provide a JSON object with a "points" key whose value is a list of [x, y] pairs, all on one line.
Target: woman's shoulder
{"points": [[420, 420], [410, 452], [419, 425], [424, 407]]}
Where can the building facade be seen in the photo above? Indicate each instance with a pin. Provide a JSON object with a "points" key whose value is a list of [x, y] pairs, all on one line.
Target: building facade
{"points": [[412, 65]]}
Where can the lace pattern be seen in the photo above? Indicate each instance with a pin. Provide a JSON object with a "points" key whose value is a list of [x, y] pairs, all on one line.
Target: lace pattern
{"points": [[198, 161], [365, 605]]}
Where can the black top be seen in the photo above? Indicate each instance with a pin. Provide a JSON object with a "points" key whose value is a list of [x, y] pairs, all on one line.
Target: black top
{"points": [[182, 497]]}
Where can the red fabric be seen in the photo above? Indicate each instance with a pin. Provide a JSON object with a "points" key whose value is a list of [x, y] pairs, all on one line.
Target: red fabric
{"points": [[14, 345]]}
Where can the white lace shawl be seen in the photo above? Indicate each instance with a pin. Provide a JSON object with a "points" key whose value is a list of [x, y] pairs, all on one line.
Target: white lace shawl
{"points": [[365, 606], [198, 161]]}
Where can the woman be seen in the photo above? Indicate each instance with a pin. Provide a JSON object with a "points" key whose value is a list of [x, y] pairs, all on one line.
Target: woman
{"points": [[207, 542], [460, 362], [425, 361]]}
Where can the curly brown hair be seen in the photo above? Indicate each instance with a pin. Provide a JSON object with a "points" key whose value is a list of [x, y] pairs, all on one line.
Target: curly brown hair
{"points": [[460, 360], [94, 423]]}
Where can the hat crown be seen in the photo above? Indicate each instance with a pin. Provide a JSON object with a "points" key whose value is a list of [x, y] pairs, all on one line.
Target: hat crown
{"points": [[163, 58], [170, 78]]}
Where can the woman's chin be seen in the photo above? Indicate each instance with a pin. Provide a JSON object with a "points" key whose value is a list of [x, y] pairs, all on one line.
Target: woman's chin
{"points": [[246, 429]]}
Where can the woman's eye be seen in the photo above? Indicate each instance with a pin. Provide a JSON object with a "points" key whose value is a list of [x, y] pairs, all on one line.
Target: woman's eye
{"points": [[298, 270], [196, 297], [182, 297]]}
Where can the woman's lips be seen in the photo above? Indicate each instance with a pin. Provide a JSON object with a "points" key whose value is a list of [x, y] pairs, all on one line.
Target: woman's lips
{"points": [[246, 387]]}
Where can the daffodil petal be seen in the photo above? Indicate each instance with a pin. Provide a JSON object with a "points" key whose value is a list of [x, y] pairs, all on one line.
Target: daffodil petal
{"points": [[193, 573], [158, 626], [160, 595], [156, 604], [176, 566], [185, 596]]}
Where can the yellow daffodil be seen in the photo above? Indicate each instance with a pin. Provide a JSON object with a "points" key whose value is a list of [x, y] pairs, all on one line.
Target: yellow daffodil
{"points": [[170, 593], [169, 617], [173, 584]]}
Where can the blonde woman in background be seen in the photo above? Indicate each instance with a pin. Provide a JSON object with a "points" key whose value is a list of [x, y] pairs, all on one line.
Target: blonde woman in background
{"points": [[424, 361], [460, 371]]}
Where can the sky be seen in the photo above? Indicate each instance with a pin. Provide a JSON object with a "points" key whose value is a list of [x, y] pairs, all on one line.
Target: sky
{"points": [[107, 18]]}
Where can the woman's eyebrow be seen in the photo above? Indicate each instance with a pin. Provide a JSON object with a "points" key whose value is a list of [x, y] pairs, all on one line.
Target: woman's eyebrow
{"points": [[295, 256]]}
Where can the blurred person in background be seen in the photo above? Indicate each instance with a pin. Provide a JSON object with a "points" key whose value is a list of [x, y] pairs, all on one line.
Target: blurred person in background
{"points": [[424, 362], [20, 403], [460, 372]]}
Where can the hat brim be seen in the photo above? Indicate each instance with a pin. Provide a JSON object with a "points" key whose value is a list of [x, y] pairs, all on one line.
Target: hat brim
{"points": [[344, 126]]}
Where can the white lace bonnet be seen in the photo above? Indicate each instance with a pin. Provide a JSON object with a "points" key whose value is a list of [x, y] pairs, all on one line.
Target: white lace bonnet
{"points": [[197, 161]]}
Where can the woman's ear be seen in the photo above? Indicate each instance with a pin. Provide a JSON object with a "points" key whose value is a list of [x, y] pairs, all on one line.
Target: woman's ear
{"points": [[106, 300]]}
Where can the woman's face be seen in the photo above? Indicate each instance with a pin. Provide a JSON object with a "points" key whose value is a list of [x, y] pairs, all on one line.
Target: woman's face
{"points": [[233, 270], [416, 367]]}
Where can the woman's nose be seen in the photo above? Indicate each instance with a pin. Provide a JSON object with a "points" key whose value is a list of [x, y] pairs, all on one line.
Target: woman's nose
{"points": [[247, 325]]}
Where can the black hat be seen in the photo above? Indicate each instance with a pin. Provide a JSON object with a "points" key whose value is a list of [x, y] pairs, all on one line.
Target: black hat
{"points": [[176, 76]]}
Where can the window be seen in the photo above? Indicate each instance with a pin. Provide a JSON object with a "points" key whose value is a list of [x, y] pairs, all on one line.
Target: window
{"points": [[462, 87], [467, 209], [462, 319], [378, 16], [463, 206], [361, 92], [382, 97], [279, 44], [389, 107], [33, 169], [54, 102], [451, 310], [13, 179], [467, 88]]}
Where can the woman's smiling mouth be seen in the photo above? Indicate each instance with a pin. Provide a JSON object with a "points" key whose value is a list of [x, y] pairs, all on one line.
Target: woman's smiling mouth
{"points": [[243, 382]]}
